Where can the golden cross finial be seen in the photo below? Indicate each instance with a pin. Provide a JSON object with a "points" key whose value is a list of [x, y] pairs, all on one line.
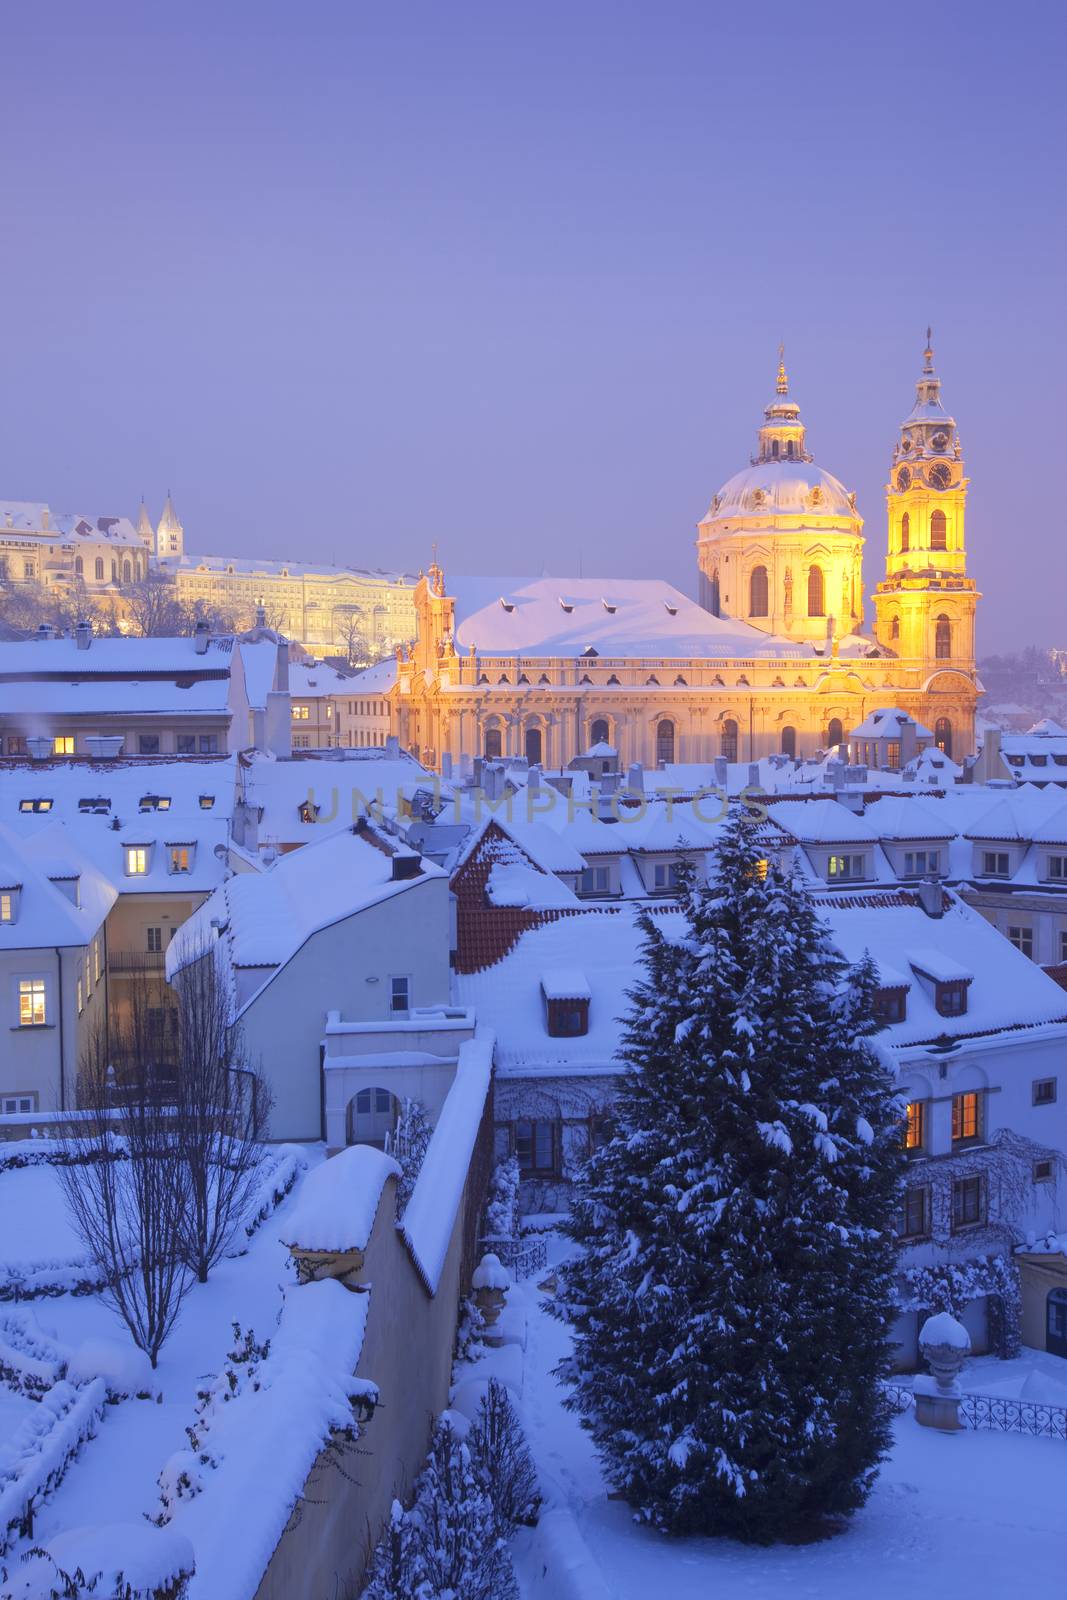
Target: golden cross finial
{"points": [[783, 381], [928, 353]]}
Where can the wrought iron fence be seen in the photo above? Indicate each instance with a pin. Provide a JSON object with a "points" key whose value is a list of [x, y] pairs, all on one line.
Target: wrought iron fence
{"points": [[524, 1257], [998, 1412], [1014, 1416]]}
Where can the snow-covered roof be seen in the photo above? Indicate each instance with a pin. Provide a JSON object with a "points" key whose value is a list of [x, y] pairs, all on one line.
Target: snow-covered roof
{"points": [[100, 805], [822, 822], [293, 569], [169, 656], [342, 785], [565, 983], [512, 884], [45, 915], [146, 677], [376, 679], [902, 817], [626, 617], [338, 1201], [888, 723], [311, 680], [36, 516], [262, 918]]}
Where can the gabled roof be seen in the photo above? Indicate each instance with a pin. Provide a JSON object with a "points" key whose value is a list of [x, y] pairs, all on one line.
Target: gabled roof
{"points": [[822, 822], [45, 915]]}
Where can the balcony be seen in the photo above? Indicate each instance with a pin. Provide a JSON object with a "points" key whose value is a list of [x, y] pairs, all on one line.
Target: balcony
{"points": [[135, 961]]}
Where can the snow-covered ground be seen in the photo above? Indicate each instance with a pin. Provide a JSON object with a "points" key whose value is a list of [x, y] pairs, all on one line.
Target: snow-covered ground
{"points": [[114, 1477], [971, 1514]]}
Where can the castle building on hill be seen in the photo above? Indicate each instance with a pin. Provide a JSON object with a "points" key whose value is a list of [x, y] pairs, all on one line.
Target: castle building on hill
{"points": [[776, 657]]}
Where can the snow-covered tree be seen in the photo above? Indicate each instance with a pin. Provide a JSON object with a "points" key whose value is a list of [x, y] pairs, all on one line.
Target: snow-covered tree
{"points": [[409, 1143], [502, 1461], [733, 1295]]}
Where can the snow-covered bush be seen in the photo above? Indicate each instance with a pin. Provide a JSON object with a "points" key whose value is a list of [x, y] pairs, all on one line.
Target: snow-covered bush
{"points": [[502, 1461], [448, 1546], [470, 1328], [120, 1561], [125, 1370], [277, 1176], [502, 1200], [408, 1145]]}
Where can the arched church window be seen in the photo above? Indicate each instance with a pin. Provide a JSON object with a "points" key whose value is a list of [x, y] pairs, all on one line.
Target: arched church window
{"points": [[125, 572], [816, 601], [533, 745], [943, 735], [791, 449], [835, 733], [905, 532], [729, 739], [789, 741], [774, 448], [942, 638], [757, 592], [664, 741], [114, 572], [714, 597], [938, 531], [894, 628], [600, 733], [493, 745]]}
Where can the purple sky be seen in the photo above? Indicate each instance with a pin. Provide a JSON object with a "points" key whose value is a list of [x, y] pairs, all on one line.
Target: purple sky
{"points": [[352, 278]]}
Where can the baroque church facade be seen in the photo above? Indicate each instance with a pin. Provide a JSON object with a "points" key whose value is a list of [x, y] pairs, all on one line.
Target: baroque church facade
{"points": [[776, 656]]}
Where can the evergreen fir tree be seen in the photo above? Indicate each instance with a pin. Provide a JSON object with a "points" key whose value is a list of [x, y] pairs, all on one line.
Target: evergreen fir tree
{"points": [[733, 1295], [459, 1554], [411, 1140]]}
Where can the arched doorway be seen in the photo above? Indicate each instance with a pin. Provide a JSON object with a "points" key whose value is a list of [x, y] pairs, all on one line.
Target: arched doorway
{"points": [[600, 732], [664, 741], [835, 733], [532, 745], [943, 736], [729, 739], [789, 741], [1056, 1322], [370, 1116], [494, 744]]}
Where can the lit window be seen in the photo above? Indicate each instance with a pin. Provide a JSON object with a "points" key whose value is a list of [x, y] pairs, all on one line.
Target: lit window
{"points": [[36, 805], [399, 995], [915, 1125], [1023, 940], [7, 906], [179, 858], [966, 1117], [847, 866], [63, 744], [31, 1003], [206, 802], [301, 713], [155, 802], [136, 860]]}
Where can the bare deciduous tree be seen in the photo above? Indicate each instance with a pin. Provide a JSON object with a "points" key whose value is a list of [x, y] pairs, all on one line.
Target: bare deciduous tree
{"points": [[126, 1180], [222, 1106], [153, 606]]}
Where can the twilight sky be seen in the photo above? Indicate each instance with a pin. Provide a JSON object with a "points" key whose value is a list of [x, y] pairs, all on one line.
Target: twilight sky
{"points": [[352, 278]]}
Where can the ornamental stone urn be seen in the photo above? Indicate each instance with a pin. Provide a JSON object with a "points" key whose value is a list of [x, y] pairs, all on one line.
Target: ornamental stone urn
{"points": [[945, 1345], [491, 1282]]}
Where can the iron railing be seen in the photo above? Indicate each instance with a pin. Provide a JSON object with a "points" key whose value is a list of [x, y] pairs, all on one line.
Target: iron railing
{"points": [[998, 1412], [524, 1257]]}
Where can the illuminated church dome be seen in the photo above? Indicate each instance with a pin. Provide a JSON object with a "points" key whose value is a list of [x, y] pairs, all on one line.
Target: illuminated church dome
{"points": [[781, 544]]}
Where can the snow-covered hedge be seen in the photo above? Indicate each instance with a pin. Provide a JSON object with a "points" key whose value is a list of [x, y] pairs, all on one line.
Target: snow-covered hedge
{"points": [[30, 1362], [278, 1173], [36, 1280], [115, 1561], [42, 1153], [34, 1459]]}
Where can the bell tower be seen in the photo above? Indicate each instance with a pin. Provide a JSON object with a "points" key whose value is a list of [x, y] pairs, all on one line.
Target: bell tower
{"points": [[925, 605]]}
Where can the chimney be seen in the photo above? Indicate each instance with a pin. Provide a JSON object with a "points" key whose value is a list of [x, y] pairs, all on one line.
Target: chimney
{"points": [[837, 776], [930, 897], [200, 636], [722, 771], [909, 740], [533, 779], [104, 746], [83, 634], [753, 774], [392, 747], [45, 630], [406, 864], [635, 778], [39, 746], [446, 764]]}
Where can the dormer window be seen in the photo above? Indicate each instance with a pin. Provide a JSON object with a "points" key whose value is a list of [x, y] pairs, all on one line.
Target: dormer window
{"points": [[206, 802], [846, 868], [181, 857], [508, 605], [309, 811], [9, 904], [566, 995], [566, 605], [918, 863], [609, 606], [951, 998], [155, 802], [95, 806], [995, 864], [672, 611], [35, 805], [665, 875], [136, 860], [890, 1004], [1057, 868], [590, 650]]}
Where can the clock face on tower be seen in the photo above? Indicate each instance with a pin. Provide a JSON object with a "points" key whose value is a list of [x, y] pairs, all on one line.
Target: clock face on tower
{"points": [[904, 478], [940, 476]]}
